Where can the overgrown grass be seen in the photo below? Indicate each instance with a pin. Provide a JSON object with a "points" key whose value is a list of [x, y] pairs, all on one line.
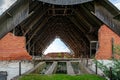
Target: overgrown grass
{"points": [[61, 77]]}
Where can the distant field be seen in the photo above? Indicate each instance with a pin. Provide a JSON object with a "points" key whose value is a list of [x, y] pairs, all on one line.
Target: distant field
{"points": [[61, 77]]}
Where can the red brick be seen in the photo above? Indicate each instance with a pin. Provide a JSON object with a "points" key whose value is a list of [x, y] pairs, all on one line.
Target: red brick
{"points": [[13, 48], [105, 36], [58, 55]]}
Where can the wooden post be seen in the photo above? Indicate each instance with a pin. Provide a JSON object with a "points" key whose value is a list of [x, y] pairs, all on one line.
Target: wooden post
{"points": [[110, 73], [97, 46], [81, 59], [20, 68], [90, 50], [33, 51], [112, 41], [87, 62], [29, 47], [33, 55], [96, 66]]}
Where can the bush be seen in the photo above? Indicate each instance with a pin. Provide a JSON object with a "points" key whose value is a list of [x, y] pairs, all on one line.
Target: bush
{"points": [[115, 69]]}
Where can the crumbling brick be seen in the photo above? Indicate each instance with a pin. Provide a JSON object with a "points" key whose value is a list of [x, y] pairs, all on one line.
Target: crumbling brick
{"points": [[105, 36], [13, 48]]}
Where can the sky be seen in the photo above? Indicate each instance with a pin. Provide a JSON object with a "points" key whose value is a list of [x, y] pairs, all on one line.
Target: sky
{"points": [[57, 45], [116, 3]]}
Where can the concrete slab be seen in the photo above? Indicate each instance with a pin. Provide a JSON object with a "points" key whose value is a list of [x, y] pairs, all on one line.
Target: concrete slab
{"points": [[70, 70], [52, 68]]}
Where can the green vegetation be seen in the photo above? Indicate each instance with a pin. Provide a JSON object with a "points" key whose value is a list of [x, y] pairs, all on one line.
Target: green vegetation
{"points": [[59, 55], [115, 69], [116, 49], [61, 77]]}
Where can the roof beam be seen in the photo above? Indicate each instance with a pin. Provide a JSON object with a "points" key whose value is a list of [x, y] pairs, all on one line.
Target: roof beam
{"points": [[81, 18], [74, 21], [53, 10], [107, 17], [89, 15], [65, 10], [35, 21], [19, 12], [39, 27], [42, 33], [35, 13]]}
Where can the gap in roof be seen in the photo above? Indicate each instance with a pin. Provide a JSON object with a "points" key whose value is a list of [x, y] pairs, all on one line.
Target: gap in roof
{"points": [[116, 3], [57, 46], [5, 4]]}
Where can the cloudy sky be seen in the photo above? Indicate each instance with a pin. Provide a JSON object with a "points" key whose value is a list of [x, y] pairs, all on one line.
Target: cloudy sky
{"points": [[116, 3], [57, 45]]}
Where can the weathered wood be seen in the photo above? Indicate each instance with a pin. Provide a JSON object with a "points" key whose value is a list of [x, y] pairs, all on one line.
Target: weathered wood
{"points": [[96, 67], [80, 27], [90, 16], [35, 21], [84, 69], [73, 20], [112, 41], [81, 18], [106, 17], [65, 2], [65, 10], [70, 70], [37, 69], [52, 69], [74, 41], [39, 27], [41, 34], [18, 11]]}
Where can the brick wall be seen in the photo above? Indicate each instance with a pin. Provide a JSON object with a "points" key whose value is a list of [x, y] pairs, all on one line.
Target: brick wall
{"points": [[58, 55], [105, 36], [13, 48]]}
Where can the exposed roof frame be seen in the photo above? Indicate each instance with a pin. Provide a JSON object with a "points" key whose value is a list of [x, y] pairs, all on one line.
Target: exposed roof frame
{"points": [[39, 27], [18, 11], [43, 12]]}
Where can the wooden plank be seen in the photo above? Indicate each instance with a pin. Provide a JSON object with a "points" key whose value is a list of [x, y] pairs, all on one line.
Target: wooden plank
{"points": [[70, 70], [41, 35], [37, 69], [73, 20], [89, 26], [39, 27], [106, 17], [79, 27], [19, 13], [35, 21], [52, 68]]}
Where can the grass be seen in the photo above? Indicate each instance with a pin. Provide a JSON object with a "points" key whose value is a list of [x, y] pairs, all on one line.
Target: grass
{"points": [[61, 77]]}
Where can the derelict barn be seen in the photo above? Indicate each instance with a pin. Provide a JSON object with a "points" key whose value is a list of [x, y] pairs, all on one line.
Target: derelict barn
{"points": [[75, 22]]}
